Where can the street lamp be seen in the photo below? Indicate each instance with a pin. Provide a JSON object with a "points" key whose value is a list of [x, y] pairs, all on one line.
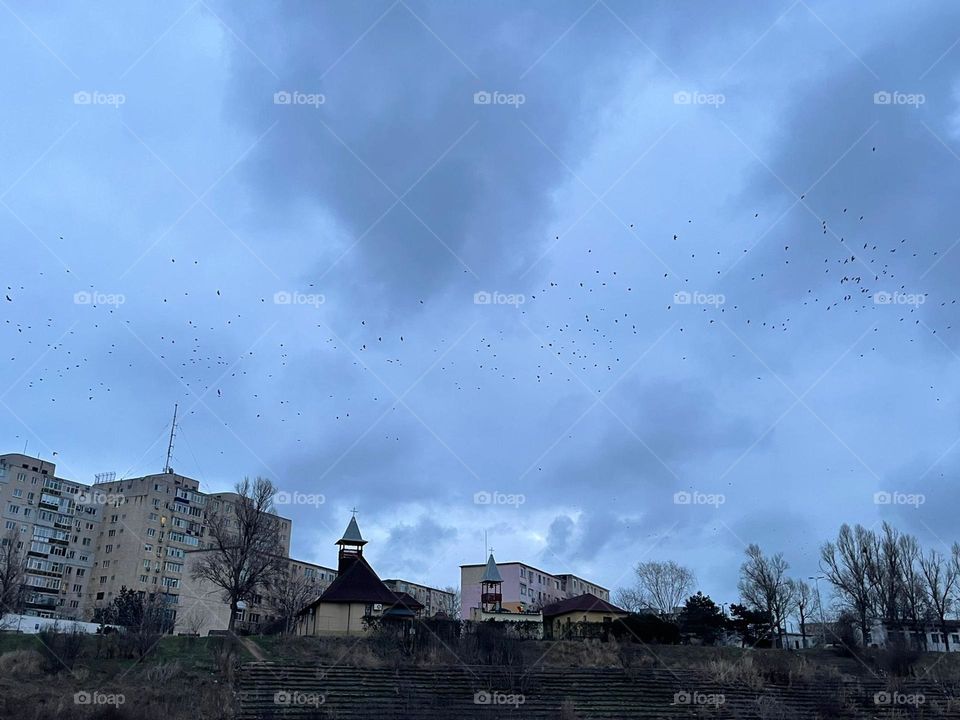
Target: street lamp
{"points": [[823, 625]]}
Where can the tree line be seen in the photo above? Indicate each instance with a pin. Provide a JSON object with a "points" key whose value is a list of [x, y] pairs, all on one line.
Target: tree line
{"points": [[872, 577]]}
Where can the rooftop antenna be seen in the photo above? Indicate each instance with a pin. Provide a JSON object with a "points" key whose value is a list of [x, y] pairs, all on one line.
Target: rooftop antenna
{"points": [[173, 430]]}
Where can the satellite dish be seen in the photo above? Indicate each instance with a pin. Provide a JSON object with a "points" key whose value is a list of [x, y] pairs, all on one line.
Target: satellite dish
{"points": [[241, 605]]}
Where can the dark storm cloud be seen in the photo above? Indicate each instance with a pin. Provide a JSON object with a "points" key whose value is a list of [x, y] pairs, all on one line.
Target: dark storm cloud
{"points": [[794, 424]]}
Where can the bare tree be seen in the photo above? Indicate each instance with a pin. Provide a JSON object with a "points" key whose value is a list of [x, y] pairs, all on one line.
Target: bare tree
{"points": [[629, 599], [914, 602], [885, 569], [942, 577], [13, 566], [455, 602], [194, 622], [290, 592], [846, 564], [804, 601], [764, 586], [662, 585], [246, 549]]}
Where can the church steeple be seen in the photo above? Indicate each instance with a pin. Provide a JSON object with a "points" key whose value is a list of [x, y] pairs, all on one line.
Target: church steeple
{"points": [[491, 584], [351, 544]]}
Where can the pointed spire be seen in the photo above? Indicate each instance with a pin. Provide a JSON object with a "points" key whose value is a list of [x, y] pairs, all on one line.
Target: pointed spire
{"points": [[352, 536], [491, 573]]}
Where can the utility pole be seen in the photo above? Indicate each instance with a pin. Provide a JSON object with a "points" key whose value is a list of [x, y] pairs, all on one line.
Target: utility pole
{"points": [[173, 430]]}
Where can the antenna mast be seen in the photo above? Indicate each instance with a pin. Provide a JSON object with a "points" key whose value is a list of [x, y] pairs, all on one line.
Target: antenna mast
{"points": [[173, 430]]}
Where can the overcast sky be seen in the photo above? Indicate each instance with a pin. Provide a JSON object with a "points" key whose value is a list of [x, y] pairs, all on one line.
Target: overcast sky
{"points": [[714, 247]]}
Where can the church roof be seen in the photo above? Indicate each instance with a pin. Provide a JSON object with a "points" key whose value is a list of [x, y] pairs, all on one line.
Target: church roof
{"points": [[581, 603], [408, 601], [357, 583], [491, 573], [352, 536]]}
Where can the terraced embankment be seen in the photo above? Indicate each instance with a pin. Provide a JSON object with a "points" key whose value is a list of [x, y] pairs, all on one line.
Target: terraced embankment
{"points": [[300, 690]]}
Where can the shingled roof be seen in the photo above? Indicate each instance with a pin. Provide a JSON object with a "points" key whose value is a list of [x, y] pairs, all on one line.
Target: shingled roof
{"points": [[358, 583], [491, 573], [581, 603], [408, 601]]}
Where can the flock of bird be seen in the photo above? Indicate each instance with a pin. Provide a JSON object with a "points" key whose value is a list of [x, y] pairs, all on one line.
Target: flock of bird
{"points": [[603, 306]]}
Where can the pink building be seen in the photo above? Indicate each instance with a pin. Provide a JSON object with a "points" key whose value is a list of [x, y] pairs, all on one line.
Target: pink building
{"points": [[524, 587]]}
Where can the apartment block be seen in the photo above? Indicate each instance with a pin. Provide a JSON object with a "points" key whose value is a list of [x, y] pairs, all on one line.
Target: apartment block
{"points": [[434, 601], [203, 609], [525, 587], [55, 523]]}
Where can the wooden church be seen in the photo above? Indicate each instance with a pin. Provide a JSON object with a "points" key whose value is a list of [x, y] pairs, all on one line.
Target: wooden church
{"points": [[355, 597]]}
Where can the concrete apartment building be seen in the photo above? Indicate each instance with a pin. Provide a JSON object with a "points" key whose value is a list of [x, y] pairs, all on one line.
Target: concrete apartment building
{"points": [[434, 601], [203, 609], [83, 543], [524, 588], [55, 523]]}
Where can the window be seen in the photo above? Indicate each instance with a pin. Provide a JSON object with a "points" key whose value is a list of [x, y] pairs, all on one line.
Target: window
{"points": [[13, 509], [17, 493], [81, 572]]}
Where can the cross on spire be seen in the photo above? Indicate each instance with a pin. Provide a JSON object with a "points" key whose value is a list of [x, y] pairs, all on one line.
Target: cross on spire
{"points": [[354, 511]]}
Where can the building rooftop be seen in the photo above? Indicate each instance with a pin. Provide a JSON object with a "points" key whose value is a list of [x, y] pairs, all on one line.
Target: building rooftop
{"points": [[581, 603], [358, 583]]}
